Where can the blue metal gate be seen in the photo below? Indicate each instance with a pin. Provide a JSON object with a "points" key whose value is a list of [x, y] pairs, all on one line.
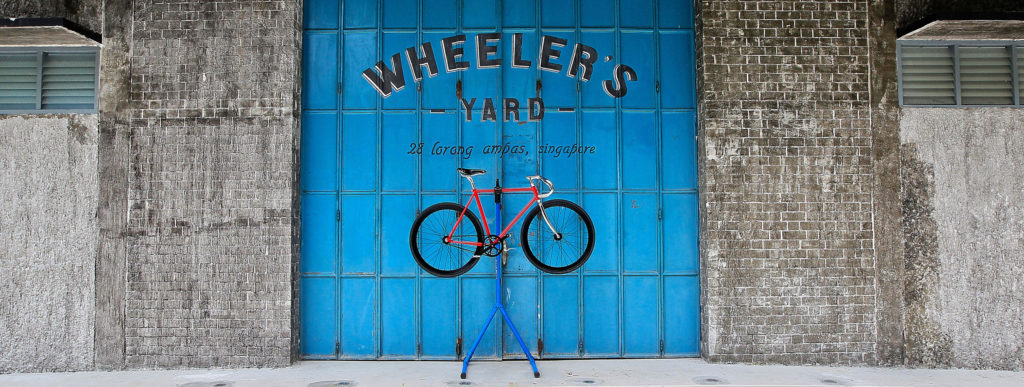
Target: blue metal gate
{"points": [[621, 143]]}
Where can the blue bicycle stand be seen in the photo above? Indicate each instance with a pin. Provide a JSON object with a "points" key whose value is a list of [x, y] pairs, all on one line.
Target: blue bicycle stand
{"points": [[498, 305]]}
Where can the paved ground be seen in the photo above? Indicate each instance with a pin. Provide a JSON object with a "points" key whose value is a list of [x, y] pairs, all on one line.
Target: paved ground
{"points": [[679, 372]]}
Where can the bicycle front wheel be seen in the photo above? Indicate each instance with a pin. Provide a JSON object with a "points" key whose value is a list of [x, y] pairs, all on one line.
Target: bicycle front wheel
{"points": [[563, 249], [431, 246]]}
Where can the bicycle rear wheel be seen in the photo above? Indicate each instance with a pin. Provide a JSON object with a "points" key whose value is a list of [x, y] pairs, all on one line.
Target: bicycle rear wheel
{"points": [[566, 249], [432, 249]]}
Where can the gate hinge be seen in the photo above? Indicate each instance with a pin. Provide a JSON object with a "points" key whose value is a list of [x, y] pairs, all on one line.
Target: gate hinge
{"points": [[540, 346], [659, 214], [458, 347], [337, 215], [661, 346], [579, 347], [337, 348], [419, 349]]}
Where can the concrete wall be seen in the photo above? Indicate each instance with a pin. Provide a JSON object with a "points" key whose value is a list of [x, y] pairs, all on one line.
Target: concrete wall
{"points": [[47, 241], [787, 236], [963, 220], [87, 13], [210, 183]]}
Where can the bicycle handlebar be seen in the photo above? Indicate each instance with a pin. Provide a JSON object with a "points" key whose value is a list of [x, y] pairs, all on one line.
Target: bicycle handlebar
{"points": [[551, 186]]}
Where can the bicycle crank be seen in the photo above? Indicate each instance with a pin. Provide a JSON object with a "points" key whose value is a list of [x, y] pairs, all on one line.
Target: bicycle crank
{"points": [[493, 246]]}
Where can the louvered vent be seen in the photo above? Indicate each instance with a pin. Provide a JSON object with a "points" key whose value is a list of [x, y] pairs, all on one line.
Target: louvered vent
{"points": [[18, 81], [985, 76], [69, 81], [1020, 73], [928, 75]]}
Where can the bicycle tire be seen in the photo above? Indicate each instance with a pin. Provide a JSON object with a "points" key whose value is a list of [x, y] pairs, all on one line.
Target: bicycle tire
{"points": [[435, 223], [573, 251]]}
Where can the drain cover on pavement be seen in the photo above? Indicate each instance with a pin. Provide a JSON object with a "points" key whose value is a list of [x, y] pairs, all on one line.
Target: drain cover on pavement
{"points": [[208, 384], [833, 380], [585, 381], [333, 383], [709, 380]]}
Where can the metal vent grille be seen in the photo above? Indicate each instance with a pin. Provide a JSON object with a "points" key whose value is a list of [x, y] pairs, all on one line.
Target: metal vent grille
{"points": [[986, 77], [928, 75], [48, 81], [69, 81], [19, 81], [1020, 73]]}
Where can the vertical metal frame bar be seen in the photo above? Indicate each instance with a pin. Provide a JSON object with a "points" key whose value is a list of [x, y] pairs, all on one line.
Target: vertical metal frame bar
{"points": [[899, 72], [956, 75], [1015, 74], [340, 160], [39, 80]]}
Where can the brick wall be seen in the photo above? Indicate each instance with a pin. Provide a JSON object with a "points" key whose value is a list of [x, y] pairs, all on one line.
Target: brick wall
{"points": [[210, 183], [786, 184]]}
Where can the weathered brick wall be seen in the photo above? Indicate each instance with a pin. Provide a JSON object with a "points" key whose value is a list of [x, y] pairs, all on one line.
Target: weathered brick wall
{"points": [[210, 183], [786, 183]]}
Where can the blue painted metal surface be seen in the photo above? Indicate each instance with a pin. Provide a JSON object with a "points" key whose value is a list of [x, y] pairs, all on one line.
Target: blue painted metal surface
{"points": [[362, 295]]}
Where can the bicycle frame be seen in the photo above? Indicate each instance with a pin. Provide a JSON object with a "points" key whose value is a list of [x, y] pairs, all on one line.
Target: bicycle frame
{"points": [[483, 216]]}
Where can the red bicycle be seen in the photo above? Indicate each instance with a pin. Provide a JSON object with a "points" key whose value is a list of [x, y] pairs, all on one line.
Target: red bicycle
{"points": [[447, 239]]}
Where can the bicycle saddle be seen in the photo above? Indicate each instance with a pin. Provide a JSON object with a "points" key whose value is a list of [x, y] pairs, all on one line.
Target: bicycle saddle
{"points": [[471, 172]]}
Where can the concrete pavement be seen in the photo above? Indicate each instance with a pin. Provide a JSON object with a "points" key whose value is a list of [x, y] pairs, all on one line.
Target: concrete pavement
{"points": [[667, 372]]}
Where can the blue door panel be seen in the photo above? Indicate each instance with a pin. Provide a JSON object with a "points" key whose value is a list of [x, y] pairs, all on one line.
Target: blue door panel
{"points": [[681, 233], [519, 14], [636, 13], [640, 93], [438, 299], [320, 233], [640, 232], [600, 169], [593, 90], [480, 14], [437, 91], [440, 14], [558, 90], [398, 318], [558, 137], [399, 14], [676, 52], [358, 310], [678, 149], [320, 66], [359, 54], [675, 14], [561, 316], [601, 316], [605, 257], [397, 42], [520, 83], [439, 129], [358, 233], [360, 13], [318, 314], [639, 144], [594, 13], [320, 14], [395, 257], [359, 132], [553, 13], [396, 154], [682, 306], [320, 147], [371, 163], [640, 315], [520, 298]]}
